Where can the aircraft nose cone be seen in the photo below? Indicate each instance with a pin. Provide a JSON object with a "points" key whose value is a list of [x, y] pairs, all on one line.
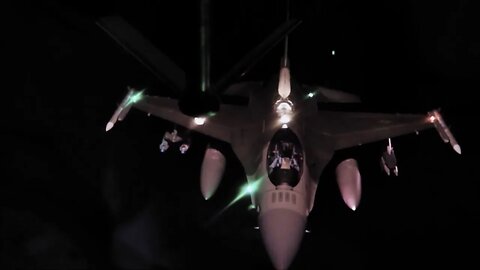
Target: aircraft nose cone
{"points": [[282, 232]]}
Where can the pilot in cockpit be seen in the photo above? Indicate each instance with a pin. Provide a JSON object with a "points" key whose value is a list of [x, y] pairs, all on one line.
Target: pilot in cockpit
{"points": [[284, 156]]}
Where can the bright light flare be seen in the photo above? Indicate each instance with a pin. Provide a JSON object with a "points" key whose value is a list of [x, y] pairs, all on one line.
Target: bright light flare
{"points": [[199, 121], [432, 118], [284, 106], [135, 97], [247, 189], [284, 119], [284, 110], [310, 95]]}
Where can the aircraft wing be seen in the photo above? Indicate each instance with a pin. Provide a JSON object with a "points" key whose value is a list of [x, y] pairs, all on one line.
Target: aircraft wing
{"points": [[223, 126], [347, 129], [219, 126]]}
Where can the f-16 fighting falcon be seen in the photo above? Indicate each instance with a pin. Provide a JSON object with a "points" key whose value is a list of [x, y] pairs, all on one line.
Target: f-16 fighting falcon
{"points": [[281, 138]]}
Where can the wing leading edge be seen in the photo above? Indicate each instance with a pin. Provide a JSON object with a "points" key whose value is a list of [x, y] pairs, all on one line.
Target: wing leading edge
{"points": [[348, 129], [219, 126]]}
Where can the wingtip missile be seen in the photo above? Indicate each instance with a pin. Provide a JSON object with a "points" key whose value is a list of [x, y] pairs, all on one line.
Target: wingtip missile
{"points": [[124, 107], [114, 118], [109, 126], [437, 120], [457, 149]]}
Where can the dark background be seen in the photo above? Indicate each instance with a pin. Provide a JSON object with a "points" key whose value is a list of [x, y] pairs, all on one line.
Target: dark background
{"points": [[75, 197]]}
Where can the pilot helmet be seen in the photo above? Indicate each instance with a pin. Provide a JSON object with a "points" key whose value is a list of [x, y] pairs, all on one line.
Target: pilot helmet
{"points": [[286, 149]]}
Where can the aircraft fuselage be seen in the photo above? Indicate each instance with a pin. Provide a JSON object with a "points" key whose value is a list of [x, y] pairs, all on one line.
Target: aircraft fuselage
{"points": [[276, 157]]}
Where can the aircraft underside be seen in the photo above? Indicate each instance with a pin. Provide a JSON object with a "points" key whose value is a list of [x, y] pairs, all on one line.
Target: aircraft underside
{"points": [[283, 201]]}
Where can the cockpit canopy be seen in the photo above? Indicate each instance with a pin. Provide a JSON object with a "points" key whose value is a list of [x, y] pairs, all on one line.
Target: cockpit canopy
{"points": [[285, 158]]}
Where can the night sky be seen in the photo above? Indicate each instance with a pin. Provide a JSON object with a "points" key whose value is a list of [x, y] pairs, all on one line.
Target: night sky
{"points": [[75, 197]]}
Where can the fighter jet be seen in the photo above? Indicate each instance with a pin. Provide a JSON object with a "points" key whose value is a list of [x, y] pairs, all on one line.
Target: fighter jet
{"points": [[283, 142]]}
